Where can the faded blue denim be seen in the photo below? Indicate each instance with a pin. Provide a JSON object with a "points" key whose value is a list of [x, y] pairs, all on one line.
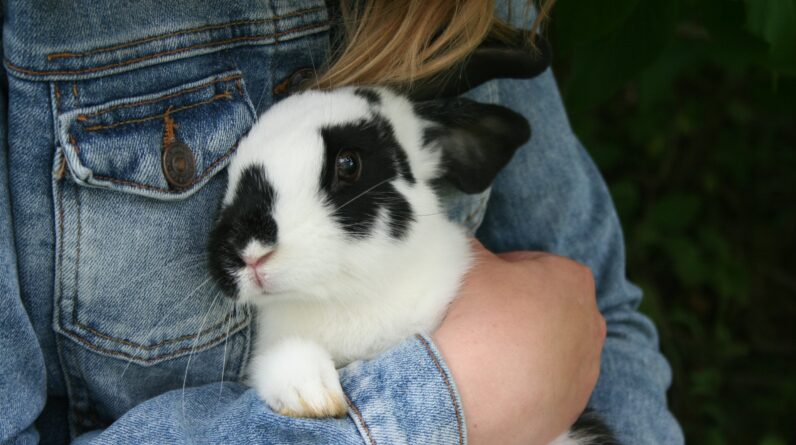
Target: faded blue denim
{"points": [[106, 309]]}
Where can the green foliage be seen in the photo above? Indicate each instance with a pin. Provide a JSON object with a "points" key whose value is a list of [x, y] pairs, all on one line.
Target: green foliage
{"points": [[689, 109], [773, 21]]}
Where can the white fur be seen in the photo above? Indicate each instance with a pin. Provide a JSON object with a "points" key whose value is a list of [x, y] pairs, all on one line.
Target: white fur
{"points": [[578, 438], [329, 299], [296, 377], [564, 439]]}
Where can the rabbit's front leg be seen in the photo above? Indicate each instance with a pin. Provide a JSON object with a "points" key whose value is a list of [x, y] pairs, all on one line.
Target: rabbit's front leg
{"points": [[296, 377]]}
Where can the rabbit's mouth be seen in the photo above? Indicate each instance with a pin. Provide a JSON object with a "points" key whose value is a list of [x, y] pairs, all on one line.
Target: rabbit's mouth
{"points": [[256, 278], [254, 257], [255, 281]]}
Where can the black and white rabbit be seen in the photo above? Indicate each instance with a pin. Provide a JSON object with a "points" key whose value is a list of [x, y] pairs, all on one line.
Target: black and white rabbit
{"points": [[332, 229]]}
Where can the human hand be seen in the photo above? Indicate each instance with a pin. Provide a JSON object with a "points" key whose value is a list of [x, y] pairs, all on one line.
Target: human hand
{"points": [[523, 341]]}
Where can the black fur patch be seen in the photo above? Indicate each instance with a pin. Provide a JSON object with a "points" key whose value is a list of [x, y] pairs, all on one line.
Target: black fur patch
{"points": [[248, 217], [403, 166], [477, 140], [494, 59], [371, 96], [590, 429], [383, 160]]}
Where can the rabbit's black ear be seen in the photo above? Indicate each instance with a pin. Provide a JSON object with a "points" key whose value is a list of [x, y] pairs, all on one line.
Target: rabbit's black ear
{"points": [[476, 140], [493, 59]]}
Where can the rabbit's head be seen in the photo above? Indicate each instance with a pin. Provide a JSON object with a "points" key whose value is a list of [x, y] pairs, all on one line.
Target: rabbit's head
{"points": [[328, 186]]}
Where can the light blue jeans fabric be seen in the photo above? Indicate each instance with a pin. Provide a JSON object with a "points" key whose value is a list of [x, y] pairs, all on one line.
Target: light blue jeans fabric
{"points": [[107, 311]]}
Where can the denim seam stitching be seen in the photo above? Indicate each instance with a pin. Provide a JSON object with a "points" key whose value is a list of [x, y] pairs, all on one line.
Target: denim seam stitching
{"points": [[451, 392], [60, 208], [221, 96], [77, 255], [80, 339], [61, 244], [84, 117], [135, 60], [144, 347], [57, 310], [155, 38], [57, 98], [75, 93], [364, 424]]}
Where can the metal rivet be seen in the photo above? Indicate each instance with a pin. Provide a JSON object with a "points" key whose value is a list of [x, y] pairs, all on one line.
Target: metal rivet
{"points": [[179, 165]]}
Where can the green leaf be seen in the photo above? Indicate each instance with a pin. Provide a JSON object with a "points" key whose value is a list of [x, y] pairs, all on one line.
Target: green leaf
{"points": [[675, 212], [772, 439], [578, 23], [731, 43], [706, 381], [655, 82], [687, 261], [775, 22], [602, 66], [626, 198]]}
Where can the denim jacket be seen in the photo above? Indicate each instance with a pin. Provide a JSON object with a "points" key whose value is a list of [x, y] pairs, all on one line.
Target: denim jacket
{"points": [[110, 331]]}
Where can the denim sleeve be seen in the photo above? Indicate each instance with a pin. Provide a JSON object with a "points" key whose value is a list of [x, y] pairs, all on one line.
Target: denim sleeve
{"points": [[552, 198], [387, 405], [22, 375]]}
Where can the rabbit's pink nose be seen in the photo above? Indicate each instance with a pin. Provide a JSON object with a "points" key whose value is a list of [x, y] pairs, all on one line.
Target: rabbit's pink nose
{"points": [[256, 261]]}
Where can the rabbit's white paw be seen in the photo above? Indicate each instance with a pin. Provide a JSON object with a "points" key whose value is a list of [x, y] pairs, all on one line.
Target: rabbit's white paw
{"points": [[297, 378]]}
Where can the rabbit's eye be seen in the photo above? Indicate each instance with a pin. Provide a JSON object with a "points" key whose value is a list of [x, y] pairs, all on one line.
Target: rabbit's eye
{"points": [[349, 166]]}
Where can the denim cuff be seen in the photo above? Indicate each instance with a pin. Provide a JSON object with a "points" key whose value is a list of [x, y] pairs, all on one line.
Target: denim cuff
{"points": [[406, 395]]}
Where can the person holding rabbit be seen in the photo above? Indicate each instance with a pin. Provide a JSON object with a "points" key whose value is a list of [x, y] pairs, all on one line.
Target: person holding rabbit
{"points": [[119, 126]]}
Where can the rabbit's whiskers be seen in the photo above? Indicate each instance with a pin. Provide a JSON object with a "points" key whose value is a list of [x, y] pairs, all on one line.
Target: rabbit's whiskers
{"points": [[193, 348], [368, 190]]}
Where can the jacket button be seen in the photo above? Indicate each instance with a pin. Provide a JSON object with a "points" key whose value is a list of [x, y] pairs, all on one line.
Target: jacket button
{"points": [[178, 165]]}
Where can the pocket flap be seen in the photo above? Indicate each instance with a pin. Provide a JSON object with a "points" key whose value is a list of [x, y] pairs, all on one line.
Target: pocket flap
{"points": [[164, 145]]}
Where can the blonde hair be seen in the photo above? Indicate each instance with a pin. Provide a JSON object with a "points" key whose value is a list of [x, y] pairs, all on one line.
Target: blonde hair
{"points": [[397, 42]]}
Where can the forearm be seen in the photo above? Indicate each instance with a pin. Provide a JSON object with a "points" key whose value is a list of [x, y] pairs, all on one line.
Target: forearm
{"points": [[405, 395], [552, 198]]}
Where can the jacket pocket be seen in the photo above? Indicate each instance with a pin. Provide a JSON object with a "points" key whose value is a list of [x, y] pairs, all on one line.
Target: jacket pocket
{"points": [[136, 189]]}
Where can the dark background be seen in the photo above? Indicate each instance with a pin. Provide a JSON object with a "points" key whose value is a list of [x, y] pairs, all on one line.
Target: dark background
{"points": [[689, 109]]}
